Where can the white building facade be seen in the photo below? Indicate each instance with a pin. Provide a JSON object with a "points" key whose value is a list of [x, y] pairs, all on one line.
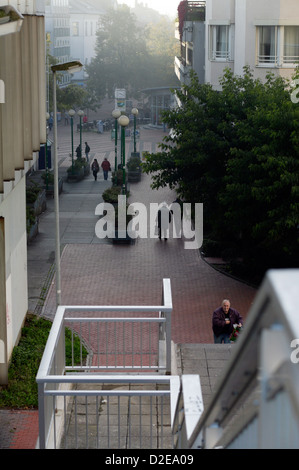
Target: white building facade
{"points": [[262, 34], [22, 131]]}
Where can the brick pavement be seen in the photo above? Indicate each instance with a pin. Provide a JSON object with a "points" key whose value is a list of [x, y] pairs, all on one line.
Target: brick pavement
{"points": [[102, 273], [117, 274]]}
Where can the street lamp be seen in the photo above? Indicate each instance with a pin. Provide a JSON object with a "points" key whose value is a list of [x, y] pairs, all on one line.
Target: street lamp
{"points": [[71, 67], [116, 114], [46, 153], [135, 114], [80, 113], [72, 114], [123, 122]]}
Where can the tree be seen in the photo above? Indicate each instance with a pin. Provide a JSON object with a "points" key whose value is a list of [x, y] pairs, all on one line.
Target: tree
{"points": [[237, 152], [120, 54], [72, 96], [162, 48]]}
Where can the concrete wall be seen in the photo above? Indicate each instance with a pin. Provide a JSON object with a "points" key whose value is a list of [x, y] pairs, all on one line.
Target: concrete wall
{"points": [[22, 131], [13, 210]]}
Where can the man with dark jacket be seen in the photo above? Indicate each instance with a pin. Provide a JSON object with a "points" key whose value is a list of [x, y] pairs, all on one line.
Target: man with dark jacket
{"points": [[224, 319], [106, 167]]}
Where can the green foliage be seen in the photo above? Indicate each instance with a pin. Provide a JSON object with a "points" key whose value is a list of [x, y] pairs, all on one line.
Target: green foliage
{"points": [[129, 57], [21, 391], [72, 96], [79, 163], [237, 152], [134, 163], [32, 192], [110, 195]]}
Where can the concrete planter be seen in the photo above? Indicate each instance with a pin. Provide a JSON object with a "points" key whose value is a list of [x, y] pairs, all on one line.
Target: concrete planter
{"points": [[77, 175], [33, 231], [50, 190], [134, 175]]}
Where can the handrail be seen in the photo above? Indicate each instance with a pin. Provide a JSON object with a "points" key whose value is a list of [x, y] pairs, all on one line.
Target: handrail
{"points": [[152, 355]]}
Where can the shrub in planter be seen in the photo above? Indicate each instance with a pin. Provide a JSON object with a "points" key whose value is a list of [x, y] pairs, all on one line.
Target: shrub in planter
{"points": [[32, 192], [120, 236], [48, 177], [134, 169], [49, 185], [77, 170], [111, 194], [117, 177]]}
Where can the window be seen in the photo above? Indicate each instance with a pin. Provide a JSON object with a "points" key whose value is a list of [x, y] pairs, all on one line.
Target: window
{"points": [[75, 28], [278, 45], [291, 45], [220, 42], [267, 45]]}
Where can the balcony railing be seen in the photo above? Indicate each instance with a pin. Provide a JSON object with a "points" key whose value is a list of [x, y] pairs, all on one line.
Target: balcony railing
{"points": [[119, 339]]}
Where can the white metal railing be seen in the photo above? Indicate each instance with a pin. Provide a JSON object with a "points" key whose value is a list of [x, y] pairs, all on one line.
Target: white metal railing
{"points": [[137, 340], [104, 412], [256, 402]]}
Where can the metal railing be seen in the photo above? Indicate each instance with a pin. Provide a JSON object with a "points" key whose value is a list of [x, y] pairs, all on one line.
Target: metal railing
{"points": [[119, 339], [256, 402], [104, 412]]}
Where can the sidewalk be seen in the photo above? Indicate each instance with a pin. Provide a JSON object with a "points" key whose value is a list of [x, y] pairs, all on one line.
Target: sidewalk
{"points": [[95, 271]]}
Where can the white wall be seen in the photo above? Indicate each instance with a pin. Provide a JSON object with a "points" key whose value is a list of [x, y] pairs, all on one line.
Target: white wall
{"points": [[13, 209]]}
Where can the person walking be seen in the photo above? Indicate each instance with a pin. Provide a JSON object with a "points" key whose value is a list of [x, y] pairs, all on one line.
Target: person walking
{"points": [[87, 150], [95, 169], [106, 167], [223, 321], [164, 219], [78, 151]]}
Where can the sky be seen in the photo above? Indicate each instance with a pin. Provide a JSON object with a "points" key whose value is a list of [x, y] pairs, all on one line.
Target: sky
{"points": [[168, 7]]}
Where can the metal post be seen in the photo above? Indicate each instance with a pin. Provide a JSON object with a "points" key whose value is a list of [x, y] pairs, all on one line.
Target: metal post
{"points": [[135, 114], [56, 198], [72, 139], [81, 134], [123, 158], [115, 145]]}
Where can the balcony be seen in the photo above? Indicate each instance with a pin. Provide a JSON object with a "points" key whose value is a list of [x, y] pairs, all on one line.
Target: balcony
{"points": [[181, 68]]}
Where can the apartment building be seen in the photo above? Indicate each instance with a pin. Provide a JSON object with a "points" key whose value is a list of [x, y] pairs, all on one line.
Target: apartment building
{"points": [[22, 131], [263, 34]]}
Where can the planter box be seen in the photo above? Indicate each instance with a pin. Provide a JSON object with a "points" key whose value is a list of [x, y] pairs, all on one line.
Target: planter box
{"points": [[32, 232], [9, 25], [40, 205], [134, 175], [50, 190], [76, 176]]}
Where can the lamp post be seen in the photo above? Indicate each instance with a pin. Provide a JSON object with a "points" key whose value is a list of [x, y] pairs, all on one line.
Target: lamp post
{"points": [[135, 114], [80, 114], [123, 122], [71, 67], [46, 154], [72, 114], [116, 114]]}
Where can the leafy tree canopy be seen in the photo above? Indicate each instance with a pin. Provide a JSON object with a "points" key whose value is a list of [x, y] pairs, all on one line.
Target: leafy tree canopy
{"points": [[128, 56], [237, 152]]}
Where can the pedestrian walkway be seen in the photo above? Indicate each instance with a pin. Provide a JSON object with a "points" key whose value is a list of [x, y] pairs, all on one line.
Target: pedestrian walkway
{"points": [[95, 271]]}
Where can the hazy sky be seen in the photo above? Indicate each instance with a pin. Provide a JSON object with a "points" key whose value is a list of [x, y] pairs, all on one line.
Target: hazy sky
{"points": [[168, 7]]}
